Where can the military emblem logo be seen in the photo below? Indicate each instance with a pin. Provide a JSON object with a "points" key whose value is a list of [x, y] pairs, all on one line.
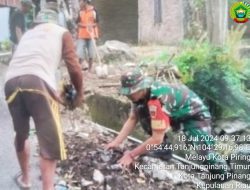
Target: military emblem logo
{"points": [[240, 12], [152, 110]]}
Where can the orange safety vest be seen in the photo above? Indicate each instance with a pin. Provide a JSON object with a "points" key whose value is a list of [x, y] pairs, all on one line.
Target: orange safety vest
{"points": [[87, 17]]}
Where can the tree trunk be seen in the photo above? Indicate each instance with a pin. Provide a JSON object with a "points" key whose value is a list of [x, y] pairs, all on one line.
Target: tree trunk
{"points": [[217, 21]]}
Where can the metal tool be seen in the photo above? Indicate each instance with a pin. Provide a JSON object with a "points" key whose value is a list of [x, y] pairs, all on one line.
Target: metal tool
{"points": [[69, 93], [101, 69]]}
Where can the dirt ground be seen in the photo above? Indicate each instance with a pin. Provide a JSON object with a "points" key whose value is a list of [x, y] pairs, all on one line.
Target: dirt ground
{"points": [[86, 154], [85, 144]]}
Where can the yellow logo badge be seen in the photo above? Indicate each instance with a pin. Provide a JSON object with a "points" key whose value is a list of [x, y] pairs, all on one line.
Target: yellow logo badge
{"points": [[240, 12]]}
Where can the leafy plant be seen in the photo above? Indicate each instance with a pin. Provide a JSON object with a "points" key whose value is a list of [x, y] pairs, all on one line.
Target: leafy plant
{"points": [[199, 3], [217, 74], [152, 63], [5, 45]]}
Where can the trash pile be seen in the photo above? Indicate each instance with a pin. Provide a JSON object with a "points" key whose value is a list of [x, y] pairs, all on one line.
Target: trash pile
{"points": [[90, 166]]}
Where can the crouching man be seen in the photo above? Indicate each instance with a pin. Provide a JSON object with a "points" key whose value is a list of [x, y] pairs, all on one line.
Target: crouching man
{"points": [[159, 106]]}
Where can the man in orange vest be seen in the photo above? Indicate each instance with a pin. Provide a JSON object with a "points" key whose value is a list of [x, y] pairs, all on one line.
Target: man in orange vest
{"points": [[87, 32]]}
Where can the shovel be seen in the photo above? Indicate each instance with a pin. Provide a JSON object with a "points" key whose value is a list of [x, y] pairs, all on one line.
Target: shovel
{"points": [[101, 69]]}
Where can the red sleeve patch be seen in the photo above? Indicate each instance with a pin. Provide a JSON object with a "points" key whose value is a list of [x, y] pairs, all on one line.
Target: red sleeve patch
{"points": [[159, 119], [154, 108]]}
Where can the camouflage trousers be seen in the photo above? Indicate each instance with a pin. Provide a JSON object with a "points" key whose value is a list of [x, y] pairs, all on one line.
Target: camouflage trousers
{"points": [[198, 133], [202, 139]]}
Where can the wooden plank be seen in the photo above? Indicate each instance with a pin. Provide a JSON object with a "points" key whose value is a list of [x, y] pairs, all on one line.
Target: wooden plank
{"points": [[5, 54], [108, 85]]}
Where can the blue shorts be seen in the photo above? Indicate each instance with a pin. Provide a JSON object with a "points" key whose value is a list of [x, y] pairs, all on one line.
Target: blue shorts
{"points": [[85, 49]]}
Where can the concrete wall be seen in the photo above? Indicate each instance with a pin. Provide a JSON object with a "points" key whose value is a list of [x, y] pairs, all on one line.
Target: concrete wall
{"points": [[111, 112], [170, 31], [118, 20]]}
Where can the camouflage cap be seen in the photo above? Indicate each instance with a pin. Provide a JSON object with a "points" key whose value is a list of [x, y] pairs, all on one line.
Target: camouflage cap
{"points": [[134, 81], [46, 16], [27, 2]]}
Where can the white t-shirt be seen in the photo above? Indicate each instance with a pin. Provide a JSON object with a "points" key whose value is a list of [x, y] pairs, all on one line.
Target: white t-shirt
{"points": [[39, 53]]}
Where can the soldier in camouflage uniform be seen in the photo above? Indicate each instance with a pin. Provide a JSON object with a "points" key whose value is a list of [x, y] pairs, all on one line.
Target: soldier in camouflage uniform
{"points": [[158, 106]]}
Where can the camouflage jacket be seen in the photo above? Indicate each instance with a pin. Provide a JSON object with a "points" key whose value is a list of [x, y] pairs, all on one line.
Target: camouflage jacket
{"points": [[178, 101]]}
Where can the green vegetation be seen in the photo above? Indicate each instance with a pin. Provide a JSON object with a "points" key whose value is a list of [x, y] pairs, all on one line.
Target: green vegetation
{"points": [[5, 45], [199, 3], [217, 74]]}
